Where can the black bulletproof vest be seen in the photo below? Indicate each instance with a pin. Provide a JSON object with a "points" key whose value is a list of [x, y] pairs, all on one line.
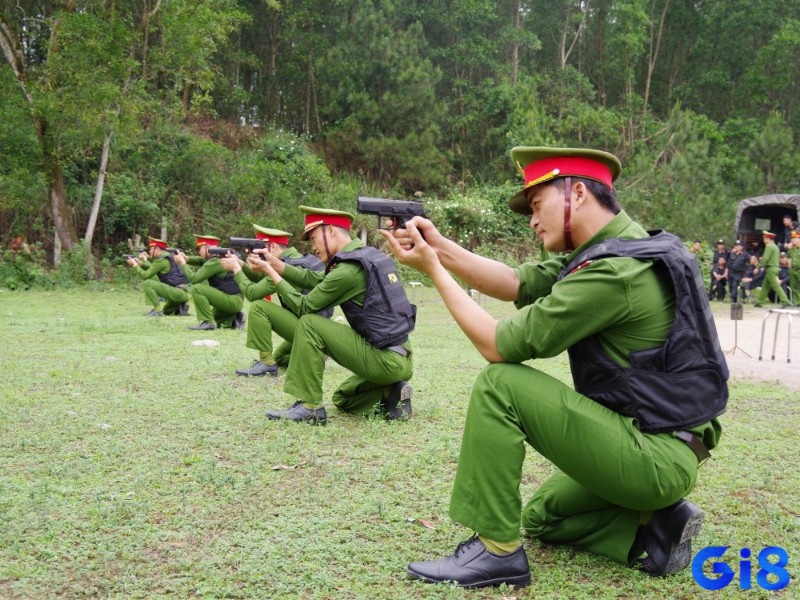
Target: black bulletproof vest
{"points": [[676, 386], [226, 283], [312, 263], [387, 316], [175, 275]]}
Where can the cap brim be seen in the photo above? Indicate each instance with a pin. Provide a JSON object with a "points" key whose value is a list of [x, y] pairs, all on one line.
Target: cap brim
{"points": [[519, 202], [309, 228]]}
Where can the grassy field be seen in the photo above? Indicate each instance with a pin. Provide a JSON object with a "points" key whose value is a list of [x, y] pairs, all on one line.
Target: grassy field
{"points": [[134, 464]]}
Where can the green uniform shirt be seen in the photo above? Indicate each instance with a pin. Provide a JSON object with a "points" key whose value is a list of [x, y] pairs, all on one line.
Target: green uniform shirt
{"points": [[794, 258], [771, 257], [622, 301], [207, 270], [256, 288], [161, 264], [346, 281]]}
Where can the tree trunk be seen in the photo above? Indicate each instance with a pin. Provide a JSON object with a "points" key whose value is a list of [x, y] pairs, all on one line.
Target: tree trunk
{"points": [[58, 208], [515, 46], [655, 45], [65, 230], [98, 196]]}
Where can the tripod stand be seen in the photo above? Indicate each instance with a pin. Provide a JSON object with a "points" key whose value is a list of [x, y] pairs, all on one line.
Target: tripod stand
{"points": [[736, 316]]}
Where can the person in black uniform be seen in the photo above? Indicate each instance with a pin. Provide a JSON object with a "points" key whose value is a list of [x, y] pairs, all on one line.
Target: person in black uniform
{"points": [[738, 260]]}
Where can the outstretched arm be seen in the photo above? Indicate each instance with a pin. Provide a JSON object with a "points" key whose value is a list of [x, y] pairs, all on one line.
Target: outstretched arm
{"points": [[478, 325], [488, 276]]}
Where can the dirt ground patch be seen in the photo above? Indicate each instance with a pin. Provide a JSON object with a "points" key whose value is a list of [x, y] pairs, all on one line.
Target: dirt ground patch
{"points": [[741, 341]]}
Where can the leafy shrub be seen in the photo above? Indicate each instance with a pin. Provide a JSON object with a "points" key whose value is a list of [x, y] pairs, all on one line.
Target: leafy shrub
{"points": [[24, 269]]}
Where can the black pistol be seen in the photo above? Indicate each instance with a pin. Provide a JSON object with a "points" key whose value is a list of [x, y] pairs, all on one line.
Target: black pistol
{"points": [[398, 211], [249, 243]]}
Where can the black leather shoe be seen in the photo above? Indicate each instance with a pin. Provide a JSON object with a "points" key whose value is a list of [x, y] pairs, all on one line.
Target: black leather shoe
{"points": [[204, 326], [473, 566], [667, 538], [154, 313], [183, 310], [398, 405], [299, 413], [258, 369]]}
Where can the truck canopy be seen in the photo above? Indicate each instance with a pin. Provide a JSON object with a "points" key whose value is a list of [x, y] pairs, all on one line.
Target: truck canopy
{"points": [[756, 214]]}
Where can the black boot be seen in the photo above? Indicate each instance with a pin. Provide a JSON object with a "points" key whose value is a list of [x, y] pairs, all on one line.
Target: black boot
{"points": [[204, 326], [238, 321], [398, 405], [667, 538], [473, 566], [184, 310]]}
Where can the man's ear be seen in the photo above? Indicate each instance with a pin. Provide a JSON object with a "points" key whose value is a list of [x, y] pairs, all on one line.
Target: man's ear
{"points": [[581, 194]]}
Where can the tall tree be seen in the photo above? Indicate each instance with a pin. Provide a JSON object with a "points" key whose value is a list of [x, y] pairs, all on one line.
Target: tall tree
{"points": [[28, 44]]}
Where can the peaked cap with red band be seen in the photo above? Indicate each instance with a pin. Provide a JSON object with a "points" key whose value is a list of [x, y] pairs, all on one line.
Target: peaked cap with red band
{"points": [[768, 234], [539, 165], [157, 243], [275, 236], [208, 240], [324, 216]]}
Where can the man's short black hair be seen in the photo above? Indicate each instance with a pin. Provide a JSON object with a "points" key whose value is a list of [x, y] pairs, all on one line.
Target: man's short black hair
{"points": [[605, 195]]}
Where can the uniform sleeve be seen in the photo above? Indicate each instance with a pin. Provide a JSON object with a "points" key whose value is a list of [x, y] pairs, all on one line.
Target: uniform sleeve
{"points": [[536, 280], [252, 275], [303, 279], [345, 282], [205, 272], [584, 303], [254, 290], [160, 265]]}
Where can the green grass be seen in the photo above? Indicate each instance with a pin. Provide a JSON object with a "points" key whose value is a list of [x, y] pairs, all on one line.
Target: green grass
{"points": [[136, 465]]}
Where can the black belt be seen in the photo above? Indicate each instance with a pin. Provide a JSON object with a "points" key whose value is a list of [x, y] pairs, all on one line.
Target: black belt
{"points": [[399, 349], [696, 444]]}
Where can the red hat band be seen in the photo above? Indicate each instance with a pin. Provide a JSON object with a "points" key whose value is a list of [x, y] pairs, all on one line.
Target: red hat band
{"points": [[274, 239], [157, 244], [207, 241], [335, 220], [550, 168]]}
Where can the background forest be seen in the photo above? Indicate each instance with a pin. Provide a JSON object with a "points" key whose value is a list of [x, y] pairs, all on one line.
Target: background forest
{"points": [[175, 117]]}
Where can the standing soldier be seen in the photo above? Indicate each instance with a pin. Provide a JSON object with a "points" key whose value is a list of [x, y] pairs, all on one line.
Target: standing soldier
{"points": [[375, 347], [794, 265], [264, 316], [769, 262], [219, 301], [163, 278], [649, 380]]}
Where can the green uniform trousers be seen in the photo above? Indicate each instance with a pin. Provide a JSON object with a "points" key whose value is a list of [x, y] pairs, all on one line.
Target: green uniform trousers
{"points": [[374, 370], [263, 318], [771, 283], [215, 305], [173, 296], [610, 474]]}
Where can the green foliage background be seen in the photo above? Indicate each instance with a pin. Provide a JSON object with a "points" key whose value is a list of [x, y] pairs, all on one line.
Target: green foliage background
{"points": [[222, 113]]}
